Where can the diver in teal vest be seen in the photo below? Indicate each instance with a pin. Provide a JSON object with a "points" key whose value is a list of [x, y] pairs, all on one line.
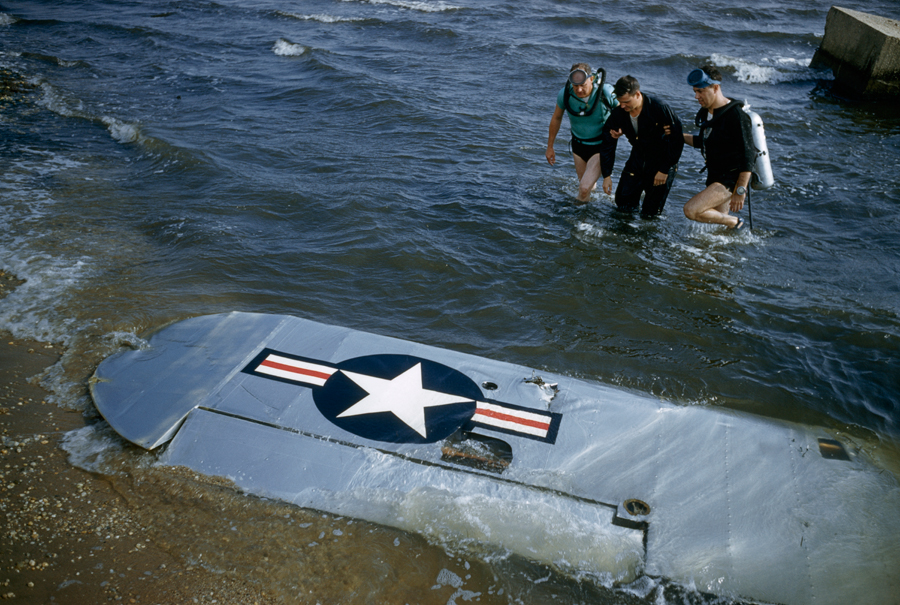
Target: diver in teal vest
{"points": [[588, 101]]}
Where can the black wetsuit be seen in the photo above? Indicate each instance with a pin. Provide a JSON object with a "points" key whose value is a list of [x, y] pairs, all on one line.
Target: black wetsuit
{"points": [[726, 142], [652, 151]]}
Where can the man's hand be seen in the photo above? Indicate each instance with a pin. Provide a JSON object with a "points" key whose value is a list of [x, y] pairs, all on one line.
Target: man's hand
{"points": [[615, 133], [737, 202], [607, 185], [551, 156], [660, 179]]}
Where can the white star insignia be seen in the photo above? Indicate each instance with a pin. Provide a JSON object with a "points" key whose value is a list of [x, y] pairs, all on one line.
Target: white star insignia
{"points": [[403, 396]]}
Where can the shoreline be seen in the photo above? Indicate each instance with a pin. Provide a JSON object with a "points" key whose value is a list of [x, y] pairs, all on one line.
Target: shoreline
{"points": [[68, 535], [172, 537]]}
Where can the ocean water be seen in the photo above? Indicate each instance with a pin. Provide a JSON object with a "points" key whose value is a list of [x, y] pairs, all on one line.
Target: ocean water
{"points": [[380, 165]]}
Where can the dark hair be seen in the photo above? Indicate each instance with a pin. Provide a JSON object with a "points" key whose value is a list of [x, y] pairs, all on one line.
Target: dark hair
{"points": [[627, 85], [712, 72]]}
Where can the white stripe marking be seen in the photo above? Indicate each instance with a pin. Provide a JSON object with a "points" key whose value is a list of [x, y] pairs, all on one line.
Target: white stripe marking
{"points": [[296, 371], [513, 420]]}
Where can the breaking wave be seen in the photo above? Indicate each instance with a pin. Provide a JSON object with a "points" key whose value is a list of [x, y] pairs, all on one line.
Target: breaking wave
{"points": [[321, 18], [57, 102], [770, 70], [425, 7], [288, 49]]}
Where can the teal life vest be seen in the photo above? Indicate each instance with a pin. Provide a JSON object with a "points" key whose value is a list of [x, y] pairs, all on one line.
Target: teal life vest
{"points": [[587, 116], [599, 80]]}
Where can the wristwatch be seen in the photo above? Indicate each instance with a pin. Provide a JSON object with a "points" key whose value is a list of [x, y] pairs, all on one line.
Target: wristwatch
{"points": [[740, 191]]}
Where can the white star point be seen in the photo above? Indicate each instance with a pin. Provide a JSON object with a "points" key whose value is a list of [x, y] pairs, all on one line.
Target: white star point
{"points": [[402, 396]]}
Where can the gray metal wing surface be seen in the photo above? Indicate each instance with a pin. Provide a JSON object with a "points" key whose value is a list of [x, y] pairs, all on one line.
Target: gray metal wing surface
{"points": [[606, 481]]}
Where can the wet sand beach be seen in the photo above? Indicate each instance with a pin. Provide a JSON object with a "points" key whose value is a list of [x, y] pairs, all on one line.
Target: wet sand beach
{"points": [[145, 534], [70, 536]]}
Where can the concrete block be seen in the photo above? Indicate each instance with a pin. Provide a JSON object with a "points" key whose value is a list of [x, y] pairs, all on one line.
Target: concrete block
{"points": [[863, 51]]}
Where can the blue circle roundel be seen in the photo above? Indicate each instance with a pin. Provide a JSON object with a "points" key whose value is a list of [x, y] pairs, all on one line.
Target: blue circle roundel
{"points": [[397, 398]]}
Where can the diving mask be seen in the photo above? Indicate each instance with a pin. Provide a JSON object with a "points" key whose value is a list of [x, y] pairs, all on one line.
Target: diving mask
{"points": [[578, 77], [700, 79]]}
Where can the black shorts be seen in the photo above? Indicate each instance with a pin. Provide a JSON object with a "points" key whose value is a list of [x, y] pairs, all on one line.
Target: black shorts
{"points": [[584, 150], [729, 185], [729, 180]]}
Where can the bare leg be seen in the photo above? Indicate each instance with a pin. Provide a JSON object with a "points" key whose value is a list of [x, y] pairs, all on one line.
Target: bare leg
{"points": [[711, 206], [588, 173]]}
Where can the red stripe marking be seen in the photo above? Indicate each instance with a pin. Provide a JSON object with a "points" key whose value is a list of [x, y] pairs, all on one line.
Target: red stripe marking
{"points": [[294, 369], [532, 423]]}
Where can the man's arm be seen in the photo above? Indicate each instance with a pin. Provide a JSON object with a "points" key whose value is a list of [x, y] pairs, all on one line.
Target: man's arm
{"points": [[612, 130], [745, 132], [555, 124], [737, 201], [672, 142]]}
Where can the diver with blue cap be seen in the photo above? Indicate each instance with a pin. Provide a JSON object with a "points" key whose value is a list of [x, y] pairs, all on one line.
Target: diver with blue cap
{"points": [[588, 100], [726, 142]]}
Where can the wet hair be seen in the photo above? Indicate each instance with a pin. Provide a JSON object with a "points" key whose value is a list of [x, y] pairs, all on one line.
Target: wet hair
{"points": [[584, 66], [713, 72], [627, 85]]}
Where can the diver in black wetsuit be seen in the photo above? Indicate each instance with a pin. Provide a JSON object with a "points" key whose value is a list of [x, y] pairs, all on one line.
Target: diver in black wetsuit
{"points": [[648, 124], [726, 141]]}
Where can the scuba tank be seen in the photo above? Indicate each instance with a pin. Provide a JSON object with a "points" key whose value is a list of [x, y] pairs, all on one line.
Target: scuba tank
{"points": [[762, 175]]}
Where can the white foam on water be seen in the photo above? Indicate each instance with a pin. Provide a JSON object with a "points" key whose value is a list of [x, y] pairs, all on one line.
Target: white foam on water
{"points": [[28, 311], [745, 71], [44, 305], [115, 340], [94, 448], [122, 131], [57, 102], [33, 310], [285, 48], [425, 7], [448, 578], [589, 230], [711, 244], [768, 70], [574, 537], [40, 309], [321, 18], [7, 19]]}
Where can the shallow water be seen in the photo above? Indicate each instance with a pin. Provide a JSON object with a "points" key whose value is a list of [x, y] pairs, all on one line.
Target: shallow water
{"points": [[380, 165]]}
